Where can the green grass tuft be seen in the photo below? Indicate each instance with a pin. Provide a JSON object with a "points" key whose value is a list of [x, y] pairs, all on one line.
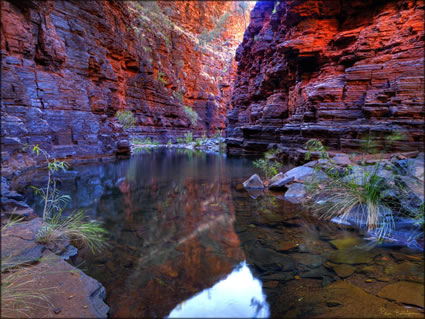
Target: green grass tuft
{"points": [[76, 227]]}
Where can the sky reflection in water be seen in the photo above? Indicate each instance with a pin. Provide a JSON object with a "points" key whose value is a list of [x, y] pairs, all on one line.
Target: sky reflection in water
{"points": [[238, 295]]}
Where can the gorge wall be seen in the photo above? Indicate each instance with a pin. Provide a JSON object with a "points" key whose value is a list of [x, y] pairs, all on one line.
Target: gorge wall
{"points": [[344, 72], [69, 66]]}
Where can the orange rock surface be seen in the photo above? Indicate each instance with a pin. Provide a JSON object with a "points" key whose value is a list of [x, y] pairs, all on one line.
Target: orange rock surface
{"points": [[340, 71]]}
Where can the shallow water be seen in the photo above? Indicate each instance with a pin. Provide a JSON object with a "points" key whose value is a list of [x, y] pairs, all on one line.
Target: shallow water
{"points": [[186, 241]]}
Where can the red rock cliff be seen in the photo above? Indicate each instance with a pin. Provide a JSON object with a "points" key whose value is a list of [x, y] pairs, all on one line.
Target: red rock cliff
{"points": [[340, 71], [68, 66]]}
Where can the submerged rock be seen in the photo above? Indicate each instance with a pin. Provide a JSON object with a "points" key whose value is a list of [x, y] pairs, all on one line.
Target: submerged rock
{"points": [[343, 270], [405, 292], [254, 182], [355, 302], [348, 242], [269, 260], [296, 193], [255, 193], [406, 270], [352, 256]]}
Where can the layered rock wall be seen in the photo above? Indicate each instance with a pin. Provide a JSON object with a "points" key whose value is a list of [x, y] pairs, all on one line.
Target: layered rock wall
{"points": [[346, 72], [69, 66]]}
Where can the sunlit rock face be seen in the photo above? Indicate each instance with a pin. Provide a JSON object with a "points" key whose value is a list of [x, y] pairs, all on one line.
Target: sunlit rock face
{"points": [[68, 66], [340, 71]]}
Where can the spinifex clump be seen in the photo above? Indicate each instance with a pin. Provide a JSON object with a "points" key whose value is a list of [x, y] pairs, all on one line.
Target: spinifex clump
{"points": [[369, 195]]}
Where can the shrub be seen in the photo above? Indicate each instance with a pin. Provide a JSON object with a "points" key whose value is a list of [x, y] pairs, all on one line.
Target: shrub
{"points": [[180, 140], [191, 115], [268, 164], [188, 137], [207, 36], [161, 78], [198, 142], [178, 95], [136, 141], [126, 119], [217, 134]]}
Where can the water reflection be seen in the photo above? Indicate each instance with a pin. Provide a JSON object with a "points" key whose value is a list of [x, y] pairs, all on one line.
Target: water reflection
{"points": [[179, 226], [239, 295], [170, 217]]}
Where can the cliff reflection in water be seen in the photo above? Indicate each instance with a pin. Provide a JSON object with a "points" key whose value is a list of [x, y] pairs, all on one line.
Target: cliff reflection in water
{"points": [[171, 220], [181, 233]]}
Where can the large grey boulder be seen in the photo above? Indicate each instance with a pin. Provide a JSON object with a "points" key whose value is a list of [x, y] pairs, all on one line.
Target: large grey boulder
{"points": [[280, 181], [300, 173], [254, 182], [276, 177]]}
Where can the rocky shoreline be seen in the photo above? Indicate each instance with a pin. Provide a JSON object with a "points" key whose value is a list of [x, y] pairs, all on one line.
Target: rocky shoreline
{"points": [[205, 145], [67, 291], [293, 186], [52, 286]]}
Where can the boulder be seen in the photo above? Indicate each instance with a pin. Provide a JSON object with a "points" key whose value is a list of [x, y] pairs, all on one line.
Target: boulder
{"points": [[341, 159], [300, 173], [296, 193], [254, 182], [281, 182], [276, 178]]}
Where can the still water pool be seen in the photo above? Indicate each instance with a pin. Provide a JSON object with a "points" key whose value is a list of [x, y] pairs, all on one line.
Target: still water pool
{"points": [[186, 241]]}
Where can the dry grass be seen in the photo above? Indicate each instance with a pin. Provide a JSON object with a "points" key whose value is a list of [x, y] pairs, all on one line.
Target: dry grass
{"points": [[18, 298]]}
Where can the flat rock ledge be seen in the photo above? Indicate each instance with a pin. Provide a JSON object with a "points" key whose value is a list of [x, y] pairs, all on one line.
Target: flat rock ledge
{"points": [[67, 291]]}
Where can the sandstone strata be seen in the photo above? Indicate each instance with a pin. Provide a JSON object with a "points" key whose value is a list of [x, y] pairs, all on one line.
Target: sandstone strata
{"points": [[340, 71], [68, 66]]}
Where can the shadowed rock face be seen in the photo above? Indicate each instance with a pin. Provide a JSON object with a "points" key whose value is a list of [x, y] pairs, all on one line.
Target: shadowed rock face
{"points": [[68, 67], [334, 70]]}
